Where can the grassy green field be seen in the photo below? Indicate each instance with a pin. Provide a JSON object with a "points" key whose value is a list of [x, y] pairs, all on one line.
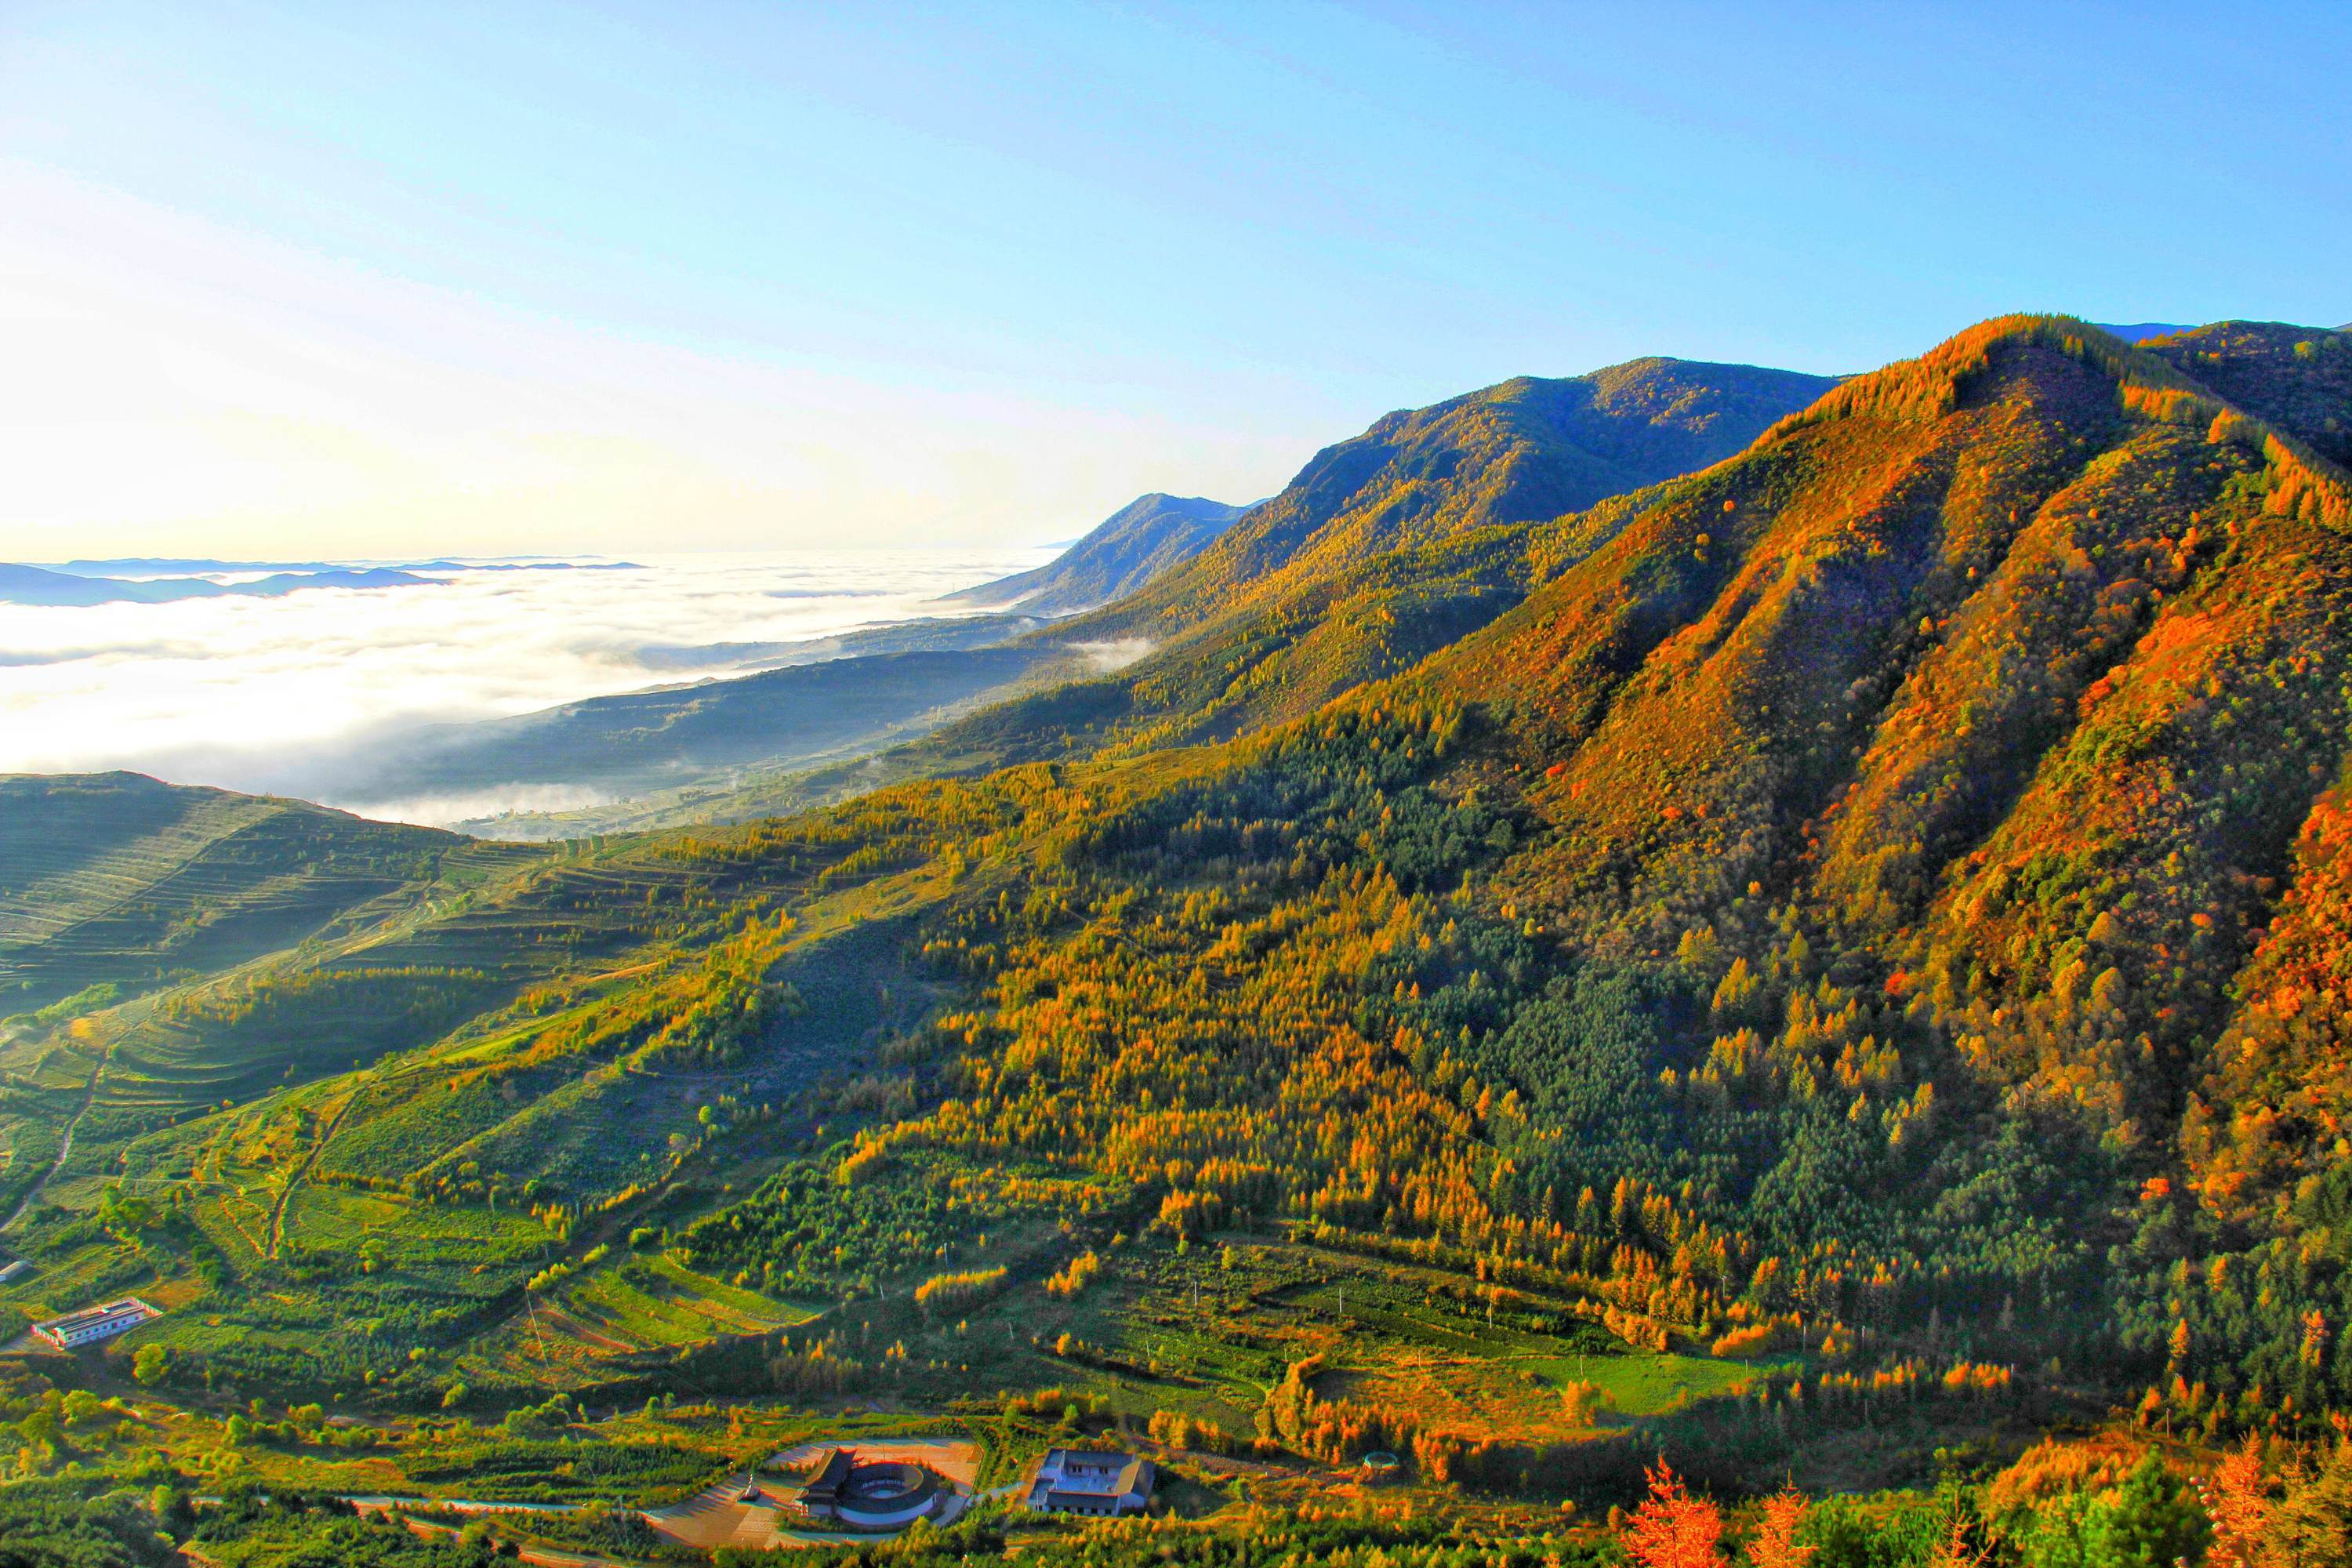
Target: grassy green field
{"points": [[1197, 1335]]}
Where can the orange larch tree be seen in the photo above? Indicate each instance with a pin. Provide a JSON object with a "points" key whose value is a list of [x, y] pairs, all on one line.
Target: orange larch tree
{"points": [[1672, 1529], [1774, 1545]]}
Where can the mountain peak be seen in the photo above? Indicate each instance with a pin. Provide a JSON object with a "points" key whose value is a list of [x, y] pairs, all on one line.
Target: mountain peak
{"points": [[1136, 543]]}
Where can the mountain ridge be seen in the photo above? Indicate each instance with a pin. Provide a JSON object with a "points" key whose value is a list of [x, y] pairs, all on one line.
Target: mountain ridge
{"points": [[1119, 556], [1396, 541], [1533, 448], [1271, 639]]}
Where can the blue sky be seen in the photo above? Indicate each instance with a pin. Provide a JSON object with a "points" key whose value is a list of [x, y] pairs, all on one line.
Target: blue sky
{"points": [[366, 279]]}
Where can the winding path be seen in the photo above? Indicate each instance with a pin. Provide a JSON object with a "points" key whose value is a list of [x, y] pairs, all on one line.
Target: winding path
{"points": [[65, 1144], [301, 1167]]}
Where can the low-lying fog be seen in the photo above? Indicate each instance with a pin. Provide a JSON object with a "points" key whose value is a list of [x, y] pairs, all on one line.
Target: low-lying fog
{"points": [[241, 692]]}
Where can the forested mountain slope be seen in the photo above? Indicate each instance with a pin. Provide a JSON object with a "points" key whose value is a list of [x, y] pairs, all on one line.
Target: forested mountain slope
{"points": [[1849, 888], [1126, 550], [1524, 451], [1978, 737], [1862, 920], [2299, 379]]}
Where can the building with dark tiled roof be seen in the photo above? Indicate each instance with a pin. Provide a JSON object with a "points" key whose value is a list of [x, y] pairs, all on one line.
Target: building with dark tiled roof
{"points": [[822, 1495], [869, 1494]]}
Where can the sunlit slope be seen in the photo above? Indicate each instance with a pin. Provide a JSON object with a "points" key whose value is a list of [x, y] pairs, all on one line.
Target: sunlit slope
{"points": [[1523, 452], [1392, 544], [2018, 677], [1870, 663], [1383, 549]]}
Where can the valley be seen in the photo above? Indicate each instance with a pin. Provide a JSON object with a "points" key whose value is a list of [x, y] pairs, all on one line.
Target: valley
{"points": [[1785, 927]]}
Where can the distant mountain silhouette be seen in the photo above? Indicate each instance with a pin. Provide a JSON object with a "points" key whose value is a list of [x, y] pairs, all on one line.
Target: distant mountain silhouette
{"points": [[692, 735], [36, 585], [183, 565], [1132, 546], [2141, 331]]}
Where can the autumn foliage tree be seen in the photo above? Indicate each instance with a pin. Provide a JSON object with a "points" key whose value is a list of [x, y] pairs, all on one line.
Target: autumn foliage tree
{"points": [[2237, 1500], [1674, 1529], [1779, 1519]]}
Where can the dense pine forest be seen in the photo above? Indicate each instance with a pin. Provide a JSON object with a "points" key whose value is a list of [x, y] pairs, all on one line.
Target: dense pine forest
{"points": [[1729, 967]]}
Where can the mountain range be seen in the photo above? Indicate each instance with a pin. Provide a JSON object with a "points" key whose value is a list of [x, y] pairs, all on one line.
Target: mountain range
{"points": [[1822, 895], [36, 585], [729, 749]]}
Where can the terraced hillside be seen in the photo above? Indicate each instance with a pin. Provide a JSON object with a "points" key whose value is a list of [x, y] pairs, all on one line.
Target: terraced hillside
{"points": [[117, 878], [537, 1035]]}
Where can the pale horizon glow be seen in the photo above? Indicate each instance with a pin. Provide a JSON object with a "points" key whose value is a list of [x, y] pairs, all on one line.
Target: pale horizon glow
{"points": [[283, 280], [280, 403]]}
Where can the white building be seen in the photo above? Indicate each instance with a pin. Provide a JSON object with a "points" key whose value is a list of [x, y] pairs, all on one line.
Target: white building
{"points": [[92, 1324], [1102, 1485]]}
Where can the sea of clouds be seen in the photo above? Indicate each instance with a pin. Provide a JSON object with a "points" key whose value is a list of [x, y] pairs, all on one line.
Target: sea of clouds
{"points": [[253, 693]]}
